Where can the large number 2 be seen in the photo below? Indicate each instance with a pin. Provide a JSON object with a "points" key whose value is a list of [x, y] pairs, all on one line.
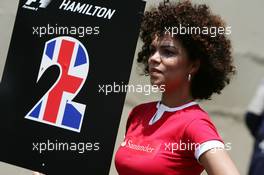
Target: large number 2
{"points": [[56, 106]]}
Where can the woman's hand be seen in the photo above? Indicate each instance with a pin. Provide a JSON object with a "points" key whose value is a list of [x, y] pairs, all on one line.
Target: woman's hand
{"points": [[218, 162]]}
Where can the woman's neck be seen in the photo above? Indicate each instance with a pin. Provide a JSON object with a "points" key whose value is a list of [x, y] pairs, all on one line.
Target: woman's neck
{"points": [[176, 98]]}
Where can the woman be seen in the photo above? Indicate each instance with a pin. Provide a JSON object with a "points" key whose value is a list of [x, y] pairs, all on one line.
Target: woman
{"points": [[175, 136]]}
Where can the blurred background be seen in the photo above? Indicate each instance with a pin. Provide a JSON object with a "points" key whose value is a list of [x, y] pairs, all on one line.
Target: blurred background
{"points": [[226, 110]]}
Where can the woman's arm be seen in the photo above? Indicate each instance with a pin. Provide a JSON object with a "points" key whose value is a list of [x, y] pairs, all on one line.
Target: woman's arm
{"points": [[218, 162]]}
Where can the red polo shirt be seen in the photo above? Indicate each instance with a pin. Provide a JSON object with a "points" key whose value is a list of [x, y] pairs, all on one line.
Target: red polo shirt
{"points": [[166, 141]]}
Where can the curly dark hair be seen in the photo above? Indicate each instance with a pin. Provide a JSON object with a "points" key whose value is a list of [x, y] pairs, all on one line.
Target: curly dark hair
{"points": [[214, 53]]}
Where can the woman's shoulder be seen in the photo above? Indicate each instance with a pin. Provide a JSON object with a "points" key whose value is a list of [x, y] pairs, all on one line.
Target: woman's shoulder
{"points": [[139, 110], [195, 114], [198, 118], [142, 108]]}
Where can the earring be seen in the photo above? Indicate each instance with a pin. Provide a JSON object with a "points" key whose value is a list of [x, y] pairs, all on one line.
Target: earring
{"points": [[189, 77]]}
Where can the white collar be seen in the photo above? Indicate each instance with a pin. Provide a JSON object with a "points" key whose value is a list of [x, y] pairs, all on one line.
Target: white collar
{"points": [[169, 109], [161, 108]]}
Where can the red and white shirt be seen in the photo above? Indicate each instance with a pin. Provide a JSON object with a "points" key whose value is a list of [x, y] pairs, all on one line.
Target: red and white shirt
{"points": [[161, 140]]}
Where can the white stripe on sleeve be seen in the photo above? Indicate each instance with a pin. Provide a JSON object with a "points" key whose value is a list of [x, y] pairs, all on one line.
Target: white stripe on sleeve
{"points": [[207, 146]]}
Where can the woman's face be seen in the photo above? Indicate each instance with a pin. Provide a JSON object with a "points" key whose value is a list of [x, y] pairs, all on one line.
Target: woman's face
{"points": [[168, 63]]}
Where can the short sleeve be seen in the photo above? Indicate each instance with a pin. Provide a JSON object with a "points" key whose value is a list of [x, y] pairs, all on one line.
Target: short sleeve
{"points": [[256, 105], [203, 135]]}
